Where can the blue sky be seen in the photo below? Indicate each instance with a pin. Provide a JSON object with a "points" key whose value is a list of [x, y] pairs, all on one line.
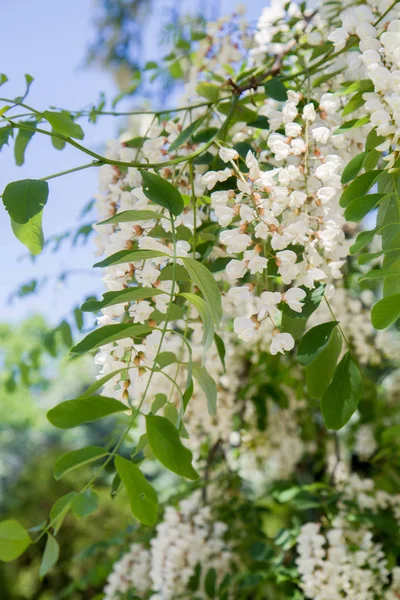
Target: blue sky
{"points": [[48, 40]]}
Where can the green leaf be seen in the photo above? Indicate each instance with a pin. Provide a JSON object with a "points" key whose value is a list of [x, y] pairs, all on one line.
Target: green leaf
{"points": [[362, 85], [275, 89], [142, 496], [186, 133], [171, 413], [59, 510], [24, 199], [129, 294], [353, 124], [57, 142], [352, 169], [5, 133], [30, 233], [85, 503], [166, 358], [386, 311], [100, 382], [219, 342], [356, 102], [373, 140], [62, 123], [166, 445], [77, 458], [319, 374], [294, 326], [208, 90], [381, 273], [125, 256], [206, 315], [371, 160], [210, 583], [162, 192], [207, 384], [363, 239], [202, 277], [360, 207], [50, 555], [72, 413], [108, 334], [22, 140], [314, 342], [14, 540], [132, 215], [158, 403], [342, 396], [359, 187], [368, 256]]}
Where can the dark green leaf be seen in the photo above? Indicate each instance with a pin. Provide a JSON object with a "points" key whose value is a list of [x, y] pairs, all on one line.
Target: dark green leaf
{"points": [[162, 192], [72, 413], [275, 89], [202, 277], [362, 85], [373, 140], [319, 374], [219, 342], [167, 447], [24, 199], [210, 583], [314, 342], [108, 334], [363, 239], [359, 187], [342, 396], [62, 123], [360, 207], [142, 496], [386, 311], [50, 555], [77, 458], [352, 169], [382, 273], [14, 540]]}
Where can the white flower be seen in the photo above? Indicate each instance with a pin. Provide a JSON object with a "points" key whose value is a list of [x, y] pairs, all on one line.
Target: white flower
{"points": [[234, 241], [297, 199], [329, 103], [228, 154], [257, 264], [268, 301], [309, 113], [321, 134], [289, 112], [245, 328], [252, 165], [224, 214], [212, 177], [236, 269], [293, 298], [287, 268], [141, 311], [293, 130], [281, 342], [339, 38]]}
